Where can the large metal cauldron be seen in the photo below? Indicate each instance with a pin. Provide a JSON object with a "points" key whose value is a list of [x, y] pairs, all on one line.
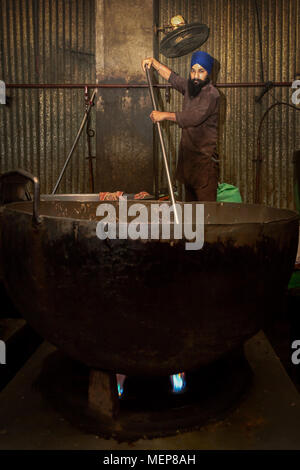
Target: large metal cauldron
{"points": [[147, 307]]}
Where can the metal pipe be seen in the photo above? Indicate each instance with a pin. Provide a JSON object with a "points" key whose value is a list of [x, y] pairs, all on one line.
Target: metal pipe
{"points": [[162, 147], [138, 85], [262, 75], [91, 102], [89, 134]]}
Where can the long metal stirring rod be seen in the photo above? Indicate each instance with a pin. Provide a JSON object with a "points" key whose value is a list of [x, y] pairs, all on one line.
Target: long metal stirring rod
{"points": [[162, 147], [91, 102]]}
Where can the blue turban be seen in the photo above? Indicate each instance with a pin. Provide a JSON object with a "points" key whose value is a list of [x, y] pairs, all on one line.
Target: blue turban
{"points": [[204, 59]]}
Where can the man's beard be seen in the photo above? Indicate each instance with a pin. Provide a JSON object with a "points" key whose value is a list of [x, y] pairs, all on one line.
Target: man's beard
{"points": [[195, 86]]}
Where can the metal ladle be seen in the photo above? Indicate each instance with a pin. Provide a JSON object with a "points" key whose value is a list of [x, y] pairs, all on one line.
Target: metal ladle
{"points": [[171, 193]]}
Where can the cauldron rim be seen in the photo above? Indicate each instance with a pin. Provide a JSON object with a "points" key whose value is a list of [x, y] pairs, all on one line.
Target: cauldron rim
{"points": [[265, 214]]}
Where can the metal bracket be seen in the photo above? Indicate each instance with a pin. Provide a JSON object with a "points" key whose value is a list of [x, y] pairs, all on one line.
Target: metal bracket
{"points": [[268, 86], [89, 102], [2, 93], [161, 29], [168, 94]]}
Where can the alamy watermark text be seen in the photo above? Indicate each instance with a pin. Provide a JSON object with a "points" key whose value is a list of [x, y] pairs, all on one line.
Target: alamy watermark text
{"points": [[155, 221]]}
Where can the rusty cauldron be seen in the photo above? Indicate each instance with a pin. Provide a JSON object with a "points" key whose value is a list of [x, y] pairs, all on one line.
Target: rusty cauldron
{"points": [[146, 307]]}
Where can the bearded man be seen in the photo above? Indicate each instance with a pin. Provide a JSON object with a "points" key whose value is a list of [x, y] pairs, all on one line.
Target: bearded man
{"points": [[197, 166]]}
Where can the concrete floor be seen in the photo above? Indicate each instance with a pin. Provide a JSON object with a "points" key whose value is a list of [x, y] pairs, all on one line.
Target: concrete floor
{"points": [[267, 418]]}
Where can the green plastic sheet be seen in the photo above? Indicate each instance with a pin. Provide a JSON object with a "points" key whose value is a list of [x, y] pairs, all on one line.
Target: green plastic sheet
{"points": [[228, 193]]}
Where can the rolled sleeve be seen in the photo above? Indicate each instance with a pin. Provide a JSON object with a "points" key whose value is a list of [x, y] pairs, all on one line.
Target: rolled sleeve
{"points": [[178, 82]]}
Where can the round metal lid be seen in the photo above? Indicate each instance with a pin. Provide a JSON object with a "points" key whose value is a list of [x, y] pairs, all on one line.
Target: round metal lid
{"points": [[184, 39]]}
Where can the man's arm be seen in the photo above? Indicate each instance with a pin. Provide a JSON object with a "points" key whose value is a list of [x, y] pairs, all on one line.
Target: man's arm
{"points": [[191, 117], [157, 116], [163, 70], [176, 81]]}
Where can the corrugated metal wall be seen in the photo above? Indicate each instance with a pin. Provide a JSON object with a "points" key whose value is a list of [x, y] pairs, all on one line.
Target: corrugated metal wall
{"points": [[233, 41], [46, 41]]}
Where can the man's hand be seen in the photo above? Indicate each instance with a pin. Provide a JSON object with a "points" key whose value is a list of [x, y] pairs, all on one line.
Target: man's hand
{"points": [[147, 63], [163, 70], [157, 116]]}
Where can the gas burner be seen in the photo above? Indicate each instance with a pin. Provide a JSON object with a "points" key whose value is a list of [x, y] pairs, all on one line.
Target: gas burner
{"points": [[148, 406]]}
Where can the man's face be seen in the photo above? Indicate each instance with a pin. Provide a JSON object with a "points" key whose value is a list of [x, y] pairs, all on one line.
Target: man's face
{"points": [[198, 78], [198, 73]]}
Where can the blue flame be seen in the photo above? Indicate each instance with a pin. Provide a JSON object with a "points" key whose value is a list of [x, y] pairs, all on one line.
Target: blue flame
{"points": [[120, 390], [120, 382], [178, 382]]}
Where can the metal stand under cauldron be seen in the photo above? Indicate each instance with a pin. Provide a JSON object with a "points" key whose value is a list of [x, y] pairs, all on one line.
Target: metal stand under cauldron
{"points": [[89, 398], [267, 417]]}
